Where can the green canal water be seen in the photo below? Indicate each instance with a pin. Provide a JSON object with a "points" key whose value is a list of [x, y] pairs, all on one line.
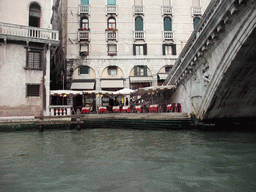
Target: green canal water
{"points": [[127, 160]]}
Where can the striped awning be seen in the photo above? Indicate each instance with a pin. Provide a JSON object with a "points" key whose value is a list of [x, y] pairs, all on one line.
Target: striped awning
{"points": [[141, 79], [112, 83], [82, 85]]}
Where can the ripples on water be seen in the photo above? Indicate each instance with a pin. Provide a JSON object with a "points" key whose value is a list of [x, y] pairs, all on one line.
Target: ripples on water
{"points": [[127, 160]]}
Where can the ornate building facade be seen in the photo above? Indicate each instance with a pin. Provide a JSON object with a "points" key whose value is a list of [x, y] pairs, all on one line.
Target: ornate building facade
{"points": [[115, 44]]}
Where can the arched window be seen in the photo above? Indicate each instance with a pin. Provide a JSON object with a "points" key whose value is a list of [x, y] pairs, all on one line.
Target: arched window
{"points": [[196, 20], [34, 15], [111, 2], [167, 24], [112, 23], [84, 2], [138, 24], [84, 23]]}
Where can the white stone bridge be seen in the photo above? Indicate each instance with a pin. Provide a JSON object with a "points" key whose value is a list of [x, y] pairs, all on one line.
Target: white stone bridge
{"points": [[215, 74]]}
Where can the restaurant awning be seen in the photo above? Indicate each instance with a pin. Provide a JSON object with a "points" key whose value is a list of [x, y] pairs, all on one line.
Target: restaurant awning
{"points": [[162, 76], [112, 83], [141, 79], [82, 85]]}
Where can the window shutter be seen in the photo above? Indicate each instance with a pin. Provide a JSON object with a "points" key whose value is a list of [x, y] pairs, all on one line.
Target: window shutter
{"points": [[135, 70], [84, 2], [196, 20], [167, 24], [145, 49], [134, 49], [163, 49], [111, 2], [174, 49], [138, 24], [145, 70]]}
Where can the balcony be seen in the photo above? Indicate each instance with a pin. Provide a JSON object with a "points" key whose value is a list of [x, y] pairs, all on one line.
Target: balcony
{"points": [[166, 10], [84, 9], [26, 33], [139, 35], [83, 35], [111, 35], [196, 11], [138, 10], [111, 9], [167, 35]]}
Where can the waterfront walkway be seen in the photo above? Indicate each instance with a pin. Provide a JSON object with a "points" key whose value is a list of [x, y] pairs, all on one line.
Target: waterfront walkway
{"points": [[125, 120]]}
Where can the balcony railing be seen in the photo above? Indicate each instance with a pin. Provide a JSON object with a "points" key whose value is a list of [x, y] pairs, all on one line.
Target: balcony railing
{"points": [[196, 11], [138, 9], [139, 35], [111, 35], [111, 9], [83, 35], [166, 10], [84, 9], [21, 32], [167, 35], [60, 110]]}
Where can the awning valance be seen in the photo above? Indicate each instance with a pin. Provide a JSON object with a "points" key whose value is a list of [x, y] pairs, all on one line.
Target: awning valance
{"points": [[152, 89], [82, 85], [162, 76], [141, 79], [65, 92], [112, 83]]}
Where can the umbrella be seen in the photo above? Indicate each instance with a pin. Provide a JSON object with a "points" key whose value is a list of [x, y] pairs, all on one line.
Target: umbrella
{"points": [[124, 91]]}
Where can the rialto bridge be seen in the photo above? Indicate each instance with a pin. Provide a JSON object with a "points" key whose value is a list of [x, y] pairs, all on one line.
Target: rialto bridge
{"points": [[215, 74]]}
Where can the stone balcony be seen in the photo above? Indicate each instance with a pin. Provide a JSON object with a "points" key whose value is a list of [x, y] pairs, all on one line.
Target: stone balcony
{"points": [[26, 33]]}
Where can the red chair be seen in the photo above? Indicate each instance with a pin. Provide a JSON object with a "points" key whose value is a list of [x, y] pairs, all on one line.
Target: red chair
{"points": [[138, 108], [172, 107], [116, 109], [102, 110], [179, 108], [126, 109], [86, 110], [153, 108]]}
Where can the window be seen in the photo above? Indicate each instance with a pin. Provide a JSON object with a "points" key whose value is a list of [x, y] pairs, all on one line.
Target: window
{"points": [[139, 49], [140, 70], [84, 49], [84, 24], [138, 24], [84, 2], [111, 23], [112, 70], [111, 2], [167, 24], [83, 70], [195, 21], [169, 49], [34, 15], [33, 90], [168, 69], [112, 49], [34, 59]]}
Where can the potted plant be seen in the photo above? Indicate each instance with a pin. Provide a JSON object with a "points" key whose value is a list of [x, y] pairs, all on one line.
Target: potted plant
{"points": [[84, 53]]}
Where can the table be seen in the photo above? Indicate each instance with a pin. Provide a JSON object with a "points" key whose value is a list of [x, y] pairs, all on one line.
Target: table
{"points": [[85, 110], [102, 109], [138, 108], [172, 107], [126, 109], [116, 109], [153, 108]]}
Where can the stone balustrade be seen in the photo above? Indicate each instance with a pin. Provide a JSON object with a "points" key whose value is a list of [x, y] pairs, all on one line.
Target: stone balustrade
{"points": [[60, 110]]}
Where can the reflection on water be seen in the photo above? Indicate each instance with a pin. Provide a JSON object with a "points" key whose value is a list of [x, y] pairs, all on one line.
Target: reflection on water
{"points": [[127, 160]]}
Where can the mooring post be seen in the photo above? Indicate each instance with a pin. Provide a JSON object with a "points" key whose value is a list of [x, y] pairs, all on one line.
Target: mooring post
{"points": [[41, 128]]}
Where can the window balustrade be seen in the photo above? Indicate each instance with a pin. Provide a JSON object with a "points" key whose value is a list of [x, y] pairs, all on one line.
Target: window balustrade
{"points": [[196, 11], [111, 35], [166, 10], [138, 9], [139, 35], [84, 9], [111, 9], [84, 35], [167, 35]]}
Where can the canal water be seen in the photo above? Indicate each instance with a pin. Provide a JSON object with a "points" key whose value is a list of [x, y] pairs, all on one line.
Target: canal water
{"points": [[127, 160]]}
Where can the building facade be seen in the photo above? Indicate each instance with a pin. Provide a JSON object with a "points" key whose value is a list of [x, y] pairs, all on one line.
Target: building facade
{"points": [[114, 44], [26, 39]]}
